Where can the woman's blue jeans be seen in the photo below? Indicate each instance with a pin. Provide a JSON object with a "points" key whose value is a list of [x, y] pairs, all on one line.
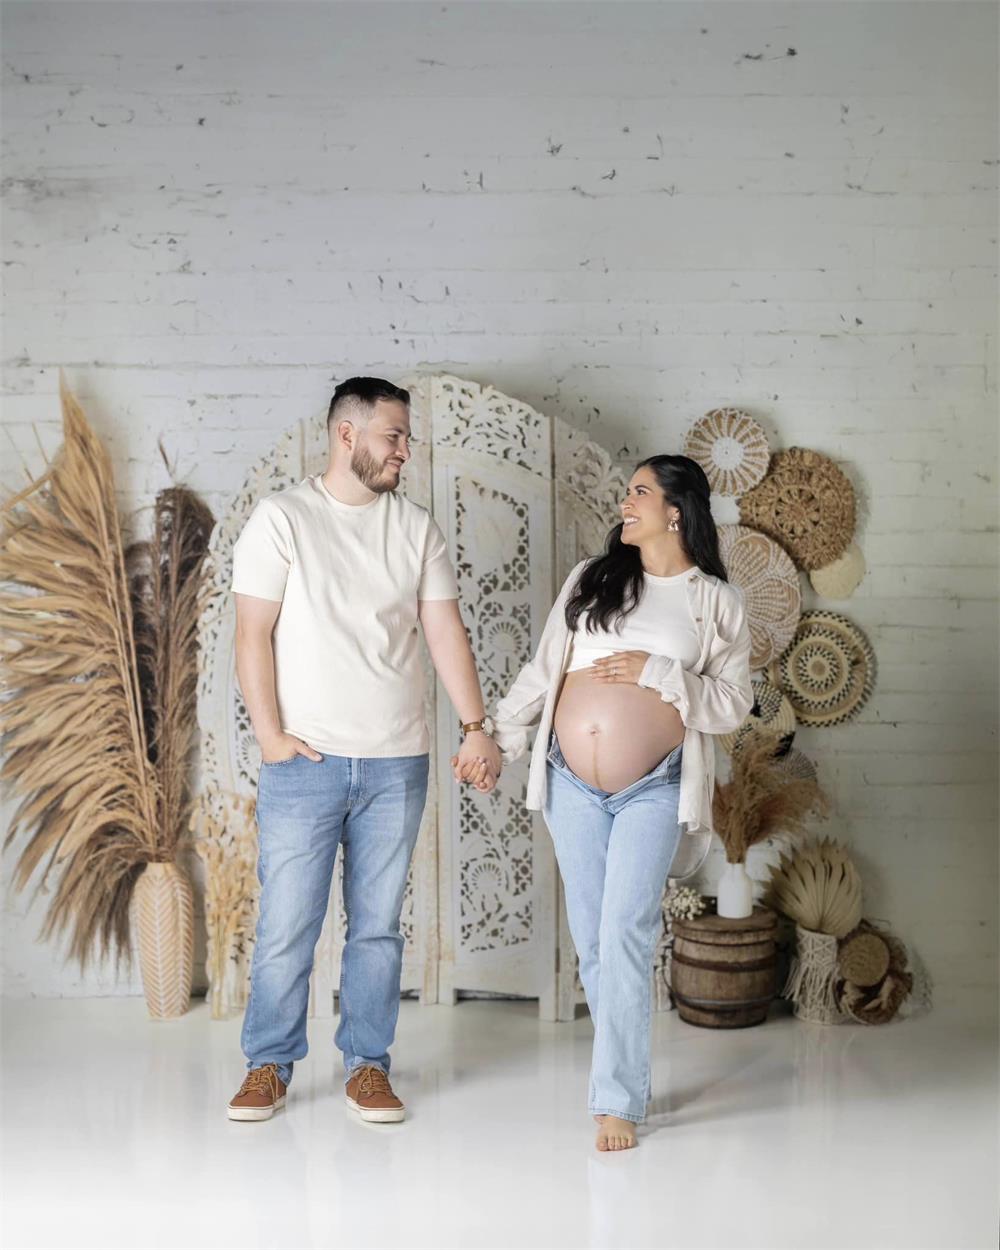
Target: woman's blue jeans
{"points": [[614, 853], [305, 810]]}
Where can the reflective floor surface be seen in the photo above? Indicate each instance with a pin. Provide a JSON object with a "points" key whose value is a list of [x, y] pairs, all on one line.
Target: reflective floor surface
{"points": [[785, 1135]]}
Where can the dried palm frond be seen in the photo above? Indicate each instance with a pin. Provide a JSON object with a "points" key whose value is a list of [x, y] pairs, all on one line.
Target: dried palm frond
{"points": [[165, 583], [227, 846], [819, 887], [762, 799], [71, 714]]}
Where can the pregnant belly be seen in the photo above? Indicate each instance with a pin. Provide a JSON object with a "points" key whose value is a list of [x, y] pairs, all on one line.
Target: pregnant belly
{"points": [[611, 735]]}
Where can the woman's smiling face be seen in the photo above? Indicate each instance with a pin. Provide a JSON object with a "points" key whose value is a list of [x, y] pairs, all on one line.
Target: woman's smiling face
{"points": [[645, 511]]}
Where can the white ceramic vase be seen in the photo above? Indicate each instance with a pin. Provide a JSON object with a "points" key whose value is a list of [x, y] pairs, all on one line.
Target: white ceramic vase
{"points": [[735, 892]]}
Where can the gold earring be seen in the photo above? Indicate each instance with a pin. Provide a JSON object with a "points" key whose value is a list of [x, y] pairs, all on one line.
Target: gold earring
{"points": [[674, 526]]}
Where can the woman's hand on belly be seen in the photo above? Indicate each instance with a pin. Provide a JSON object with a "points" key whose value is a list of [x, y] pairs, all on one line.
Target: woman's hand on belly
{"points": [[623, 667], [613, 733]]}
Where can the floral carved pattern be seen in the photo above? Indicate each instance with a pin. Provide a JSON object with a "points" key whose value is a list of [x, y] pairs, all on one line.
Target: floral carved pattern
{"points": [[493, 565], [229, 753], [480, 419]]}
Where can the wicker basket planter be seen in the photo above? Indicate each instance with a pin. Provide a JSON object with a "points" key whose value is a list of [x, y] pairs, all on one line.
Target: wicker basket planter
{"points": [[812, 977]]}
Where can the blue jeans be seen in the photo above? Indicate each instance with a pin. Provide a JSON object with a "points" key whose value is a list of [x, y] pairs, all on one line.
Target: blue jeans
{"points": [[305, 810], [614, 853]]}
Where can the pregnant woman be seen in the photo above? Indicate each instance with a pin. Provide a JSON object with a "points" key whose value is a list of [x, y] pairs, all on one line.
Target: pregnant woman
{"points": [[645, 651]]}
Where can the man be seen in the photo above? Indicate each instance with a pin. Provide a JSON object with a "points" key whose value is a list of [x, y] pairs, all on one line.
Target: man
{"points": [[331, 578]]}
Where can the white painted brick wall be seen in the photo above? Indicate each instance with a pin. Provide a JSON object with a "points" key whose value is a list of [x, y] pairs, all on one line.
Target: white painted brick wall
{"points": [[623, 214]]}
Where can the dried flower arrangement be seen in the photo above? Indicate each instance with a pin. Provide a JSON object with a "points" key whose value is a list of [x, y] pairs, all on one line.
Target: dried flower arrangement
{"points": [[684, 903], [165, 581], [227, 845], [75, 744], [762, 799], [818, 887], [98, 717]]}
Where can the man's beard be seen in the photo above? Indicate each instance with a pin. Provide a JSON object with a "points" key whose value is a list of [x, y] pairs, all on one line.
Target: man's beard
{"points": [[370, 472]]}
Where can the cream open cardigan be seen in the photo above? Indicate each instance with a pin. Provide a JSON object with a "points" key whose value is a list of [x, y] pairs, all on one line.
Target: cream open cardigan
{"points": [[713, 697]]}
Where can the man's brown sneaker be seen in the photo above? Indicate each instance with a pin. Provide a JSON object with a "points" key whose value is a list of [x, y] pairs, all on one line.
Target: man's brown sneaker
{"points": [[260, 1096], [370, 1095]]}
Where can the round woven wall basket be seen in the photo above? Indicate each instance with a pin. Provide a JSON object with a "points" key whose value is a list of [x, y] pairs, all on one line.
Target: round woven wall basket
{"points": [[806, 504], [772, 713], [828, 672], [770, 583], [840, 579], [797, 765], [732, 449]]}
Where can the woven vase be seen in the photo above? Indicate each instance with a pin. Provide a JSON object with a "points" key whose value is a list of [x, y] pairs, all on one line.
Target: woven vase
{"points": [[811, 978], [163, 922]]}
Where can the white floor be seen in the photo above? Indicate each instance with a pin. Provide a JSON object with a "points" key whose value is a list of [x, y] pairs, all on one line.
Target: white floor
{"points": [[785, 1135]]}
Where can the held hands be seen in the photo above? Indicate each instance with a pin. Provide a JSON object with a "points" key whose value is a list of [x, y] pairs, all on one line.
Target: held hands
{"points": [[623, 667], [477, 762], [284, 747]]}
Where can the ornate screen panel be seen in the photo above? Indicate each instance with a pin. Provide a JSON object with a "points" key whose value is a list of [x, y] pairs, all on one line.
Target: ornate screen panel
{"points": [[492, 498]]}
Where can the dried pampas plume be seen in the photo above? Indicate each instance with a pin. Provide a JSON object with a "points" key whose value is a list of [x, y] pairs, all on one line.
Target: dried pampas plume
{"points": [[761, 798], [71, 716], [166, 577], [819, 887], [98, 678], [226, 843]]}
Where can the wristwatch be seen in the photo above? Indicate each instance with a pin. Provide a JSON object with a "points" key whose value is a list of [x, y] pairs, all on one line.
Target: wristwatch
{"points": [[485, 726]]}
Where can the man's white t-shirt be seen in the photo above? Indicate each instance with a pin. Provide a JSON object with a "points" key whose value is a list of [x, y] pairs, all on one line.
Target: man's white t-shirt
{"points": [[348, 675]]}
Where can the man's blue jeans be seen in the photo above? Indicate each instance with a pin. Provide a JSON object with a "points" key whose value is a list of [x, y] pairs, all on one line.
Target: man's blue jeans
{"points": [[614, 853], [305, 810]]}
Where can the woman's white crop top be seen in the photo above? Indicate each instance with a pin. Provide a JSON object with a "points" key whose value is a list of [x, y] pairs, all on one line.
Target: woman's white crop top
{"points": [[661, 624]]}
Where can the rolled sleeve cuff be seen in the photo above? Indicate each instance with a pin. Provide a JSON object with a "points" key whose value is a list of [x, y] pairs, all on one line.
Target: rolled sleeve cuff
{"points": [[663, 674], [512, 741]]}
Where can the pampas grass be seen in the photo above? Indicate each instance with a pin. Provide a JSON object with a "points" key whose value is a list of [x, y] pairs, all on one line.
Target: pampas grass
{"points": [[74, 737], [96, 729], [227, 846], [761, 799], [165, 584]]}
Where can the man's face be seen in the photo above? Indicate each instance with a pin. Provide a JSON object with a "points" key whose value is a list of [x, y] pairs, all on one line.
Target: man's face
{"points": [[382, 447]]}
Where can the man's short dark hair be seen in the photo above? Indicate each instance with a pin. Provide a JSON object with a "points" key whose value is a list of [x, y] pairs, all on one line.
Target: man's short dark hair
{"points": [[357, 397]]}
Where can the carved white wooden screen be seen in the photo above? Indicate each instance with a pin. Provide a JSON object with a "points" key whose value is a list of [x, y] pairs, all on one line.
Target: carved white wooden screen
{"points": [[521, 498], [492, 461]]}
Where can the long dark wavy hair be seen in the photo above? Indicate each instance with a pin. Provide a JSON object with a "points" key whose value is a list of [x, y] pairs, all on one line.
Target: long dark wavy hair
{"points": [[611, 585]]}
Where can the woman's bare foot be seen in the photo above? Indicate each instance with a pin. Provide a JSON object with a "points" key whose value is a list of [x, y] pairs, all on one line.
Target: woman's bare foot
{"points": [[615, 1134]]}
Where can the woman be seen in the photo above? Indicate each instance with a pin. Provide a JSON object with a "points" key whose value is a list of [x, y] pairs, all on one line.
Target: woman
{"points": [[645, 651]]}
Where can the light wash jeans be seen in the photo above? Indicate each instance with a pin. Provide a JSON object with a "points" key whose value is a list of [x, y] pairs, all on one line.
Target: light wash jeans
{"points": [[614, 853], [372, 808]]}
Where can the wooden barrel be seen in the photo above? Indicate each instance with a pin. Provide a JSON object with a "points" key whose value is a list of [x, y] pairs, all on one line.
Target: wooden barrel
{"points": [[722, 972]]}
